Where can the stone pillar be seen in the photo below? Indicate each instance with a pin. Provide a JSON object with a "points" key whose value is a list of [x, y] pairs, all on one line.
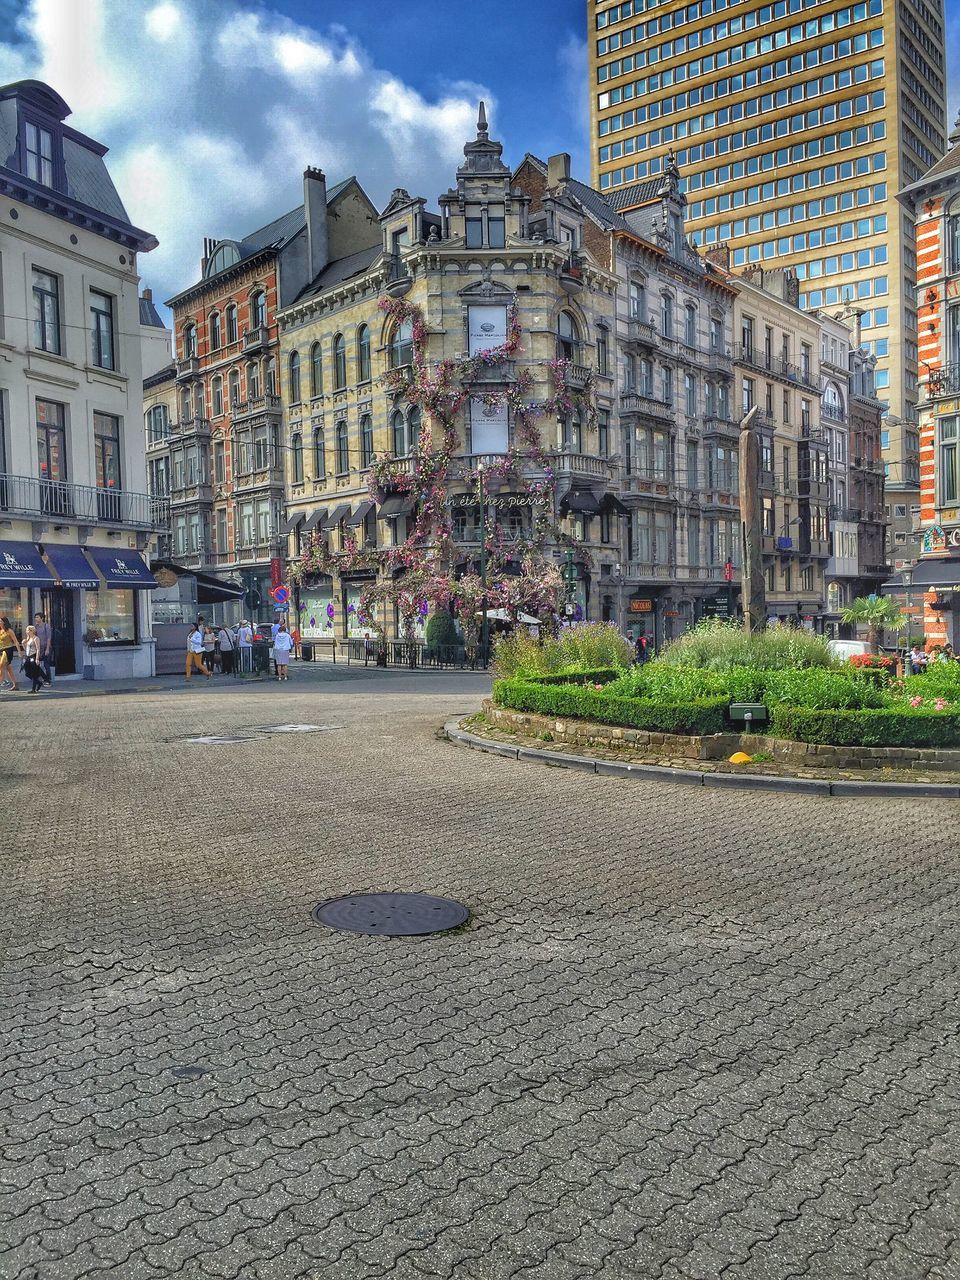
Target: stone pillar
{"points": [[753, 589]]}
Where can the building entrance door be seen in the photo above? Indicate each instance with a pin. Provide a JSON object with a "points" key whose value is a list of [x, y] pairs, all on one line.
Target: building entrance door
{"points": [[58, 606]]}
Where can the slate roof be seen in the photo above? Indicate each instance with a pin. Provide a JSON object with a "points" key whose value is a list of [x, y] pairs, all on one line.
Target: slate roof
{"points": [[149, 315], [947, 164], [354, 264], [638, 193], [86, 181], [591, 199]]}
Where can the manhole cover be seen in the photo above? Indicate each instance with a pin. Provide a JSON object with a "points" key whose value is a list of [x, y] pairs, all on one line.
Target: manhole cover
{"points": [[392, 915], [218, 740]]}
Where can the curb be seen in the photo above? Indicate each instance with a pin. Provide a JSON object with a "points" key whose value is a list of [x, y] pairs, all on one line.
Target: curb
{"points": [[656, 773]]}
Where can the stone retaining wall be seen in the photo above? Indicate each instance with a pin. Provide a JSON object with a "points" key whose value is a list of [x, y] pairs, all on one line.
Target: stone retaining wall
{"points": [[720, 746]]}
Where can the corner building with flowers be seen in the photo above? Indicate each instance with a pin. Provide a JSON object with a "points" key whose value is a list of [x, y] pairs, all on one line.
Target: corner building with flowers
{"points": [[448, 400]]}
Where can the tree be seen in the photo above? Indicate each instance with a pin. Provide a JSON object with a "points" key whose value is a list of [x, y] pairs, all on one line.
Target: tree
{"points": [[875, 613], [441, 634]]}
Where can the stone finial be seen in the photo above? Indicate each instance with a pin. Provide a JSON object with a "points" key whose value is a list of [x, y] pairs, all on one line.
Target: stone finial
{"points": [[954, 138], [482, 128]]}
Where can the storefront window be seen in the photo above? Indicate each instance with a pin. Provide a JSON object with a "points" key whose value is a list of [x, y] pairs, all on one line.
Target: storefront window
{"points": [[111, 617], [11, 607], [315, 621]]}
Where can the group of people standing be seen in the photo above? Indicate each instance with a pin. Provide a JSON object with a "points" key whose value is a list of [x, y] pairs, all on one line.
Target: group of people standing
{"points": [[36, 653], [230, 647]]}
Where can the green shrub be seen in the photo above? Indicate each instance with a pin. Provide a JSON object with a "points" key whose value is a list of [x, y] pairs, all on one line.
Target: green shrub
{"points": [[718, 646], [940, 680], [575, 676], [588, 646], [802, 687], [441, 632], [703, 716], [891, 726]]}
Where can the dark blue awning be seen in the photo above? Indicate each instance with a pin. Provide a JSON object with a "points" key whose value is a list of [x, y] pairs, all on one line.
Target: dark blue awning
{"points": [[122, 568], [21, 566], [71, 566]]}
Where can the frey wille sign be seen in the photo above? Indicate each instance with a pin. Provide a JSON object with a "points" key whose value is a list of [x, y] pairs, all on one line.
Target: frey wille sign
{"points": [[12, 566], [487, 328]]}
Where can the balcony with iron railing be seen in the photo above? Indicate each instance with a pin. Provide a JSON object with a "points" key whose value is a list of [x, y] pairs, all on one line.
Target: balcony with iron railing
{"points": [[849, 514], [944, 381], [57, 502], [766, 362]]}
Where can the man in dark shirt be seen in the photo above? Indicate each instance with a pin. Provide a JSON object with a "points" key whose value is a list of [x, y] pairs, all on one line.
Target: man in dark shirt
{"points": [[45, 637]]}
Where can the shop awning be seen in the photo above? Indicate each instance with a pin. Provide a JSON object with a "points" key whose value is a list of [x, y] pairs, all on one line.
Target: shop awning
{"points": [[398, 505], [71, 566], [291, 523], [122, 568], [314, 519], [336, 515], [936, 573], [610, 502], [583, 501], [359, 515], [21, 565], [214, 590]]}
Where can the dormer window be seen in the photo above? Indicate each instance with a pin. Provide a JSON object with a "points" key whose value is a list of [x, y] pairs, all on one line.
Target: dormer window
{"points": [[496, 226], [473, 224], [39, 154]]}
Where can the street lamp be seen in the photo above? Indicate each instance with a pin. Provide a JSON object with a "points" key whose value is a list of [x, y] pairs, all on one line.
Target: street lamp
{"points": [[484, 624], [906, 573]]}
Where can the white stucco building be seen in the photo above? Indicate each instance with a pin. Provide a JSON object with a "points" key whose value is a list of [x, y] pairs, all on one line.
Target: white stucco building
{"points": [[74, 512]]}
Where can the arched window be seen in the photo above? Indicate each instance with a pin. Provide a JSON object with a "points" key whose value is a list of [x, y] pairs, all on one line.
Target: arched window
{"points": [[294, 380], [833, 402], [398, 433], [270, 376], [339, 363], [158, 426], [258, 310], [342, 446], [316, 370], [401, 345], [296, 451], [690, 325], [366, 441], [638, 301], [217, 396], [413, 430], [233, 383], [215, 331], [231, 323], [189, 341], [666, 315], [363, 354], [568, 337], [319, 454], [253, 380]]}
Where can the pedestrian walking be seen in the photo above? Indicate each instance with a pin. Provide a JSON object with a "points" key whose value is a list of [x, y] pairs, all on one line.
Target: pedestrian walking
{"points": [[209, 648], [274, 628], [9, 645], [227, 650], [282, 644], [45, 636], [31, 659], [245, 645], [195, 653]]}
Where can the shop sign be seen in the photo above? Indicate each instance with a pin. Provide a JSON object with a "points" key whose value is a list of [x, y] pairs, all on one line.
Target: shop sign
{"points": [[717, 606], [487, 328], [641, 606], [671, 613], [488, 425], [166, 578]]}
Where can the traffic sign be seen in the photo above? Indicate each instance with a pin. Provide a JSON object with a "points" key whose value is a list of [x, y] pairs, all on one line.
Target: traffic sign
{"points": [[281, 594]]}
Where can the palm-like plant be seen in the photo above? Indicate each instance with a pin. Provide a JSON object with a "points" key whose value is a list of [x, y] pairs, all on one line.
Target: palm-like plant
{"points": [[875, 614]]}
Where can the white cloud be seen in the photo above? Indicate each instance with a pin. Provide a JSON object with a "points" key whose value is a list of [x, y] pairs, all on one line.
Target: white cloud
{"points": [[212, 111]]}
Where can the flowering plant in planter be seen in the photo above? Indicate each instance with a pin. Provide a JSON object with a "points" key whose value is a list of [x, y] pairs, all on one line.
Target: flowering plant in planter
{"points": [[871, 662]]}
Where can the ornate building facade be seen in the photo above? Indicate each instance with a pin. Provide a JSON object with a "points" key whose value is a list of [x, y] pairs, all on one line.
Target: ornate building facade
{"points": [[451, 394]]}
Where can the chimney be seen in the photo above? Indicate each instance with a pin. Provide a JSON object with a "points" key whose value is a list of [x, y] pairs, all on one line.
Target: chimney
{"points": [[719, 255], [858, 329], [209, 244], [315, 213], [558, 169]]}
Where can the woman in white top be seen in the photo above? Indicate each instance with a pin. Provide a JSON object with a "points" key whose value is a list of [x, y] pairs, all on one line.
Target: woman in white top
{"points": [[282, 644], [31, 658]]}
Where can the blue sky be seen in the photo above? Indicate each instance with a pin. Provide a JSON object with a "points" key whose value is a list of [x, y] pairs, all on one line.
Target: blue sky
{"points": [[213, 108]]}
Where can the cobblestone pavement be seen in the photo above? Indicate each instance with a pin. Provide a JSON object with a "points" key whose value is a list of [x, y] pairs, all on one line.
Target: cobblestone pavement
{"points": [[681, 1037]]}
